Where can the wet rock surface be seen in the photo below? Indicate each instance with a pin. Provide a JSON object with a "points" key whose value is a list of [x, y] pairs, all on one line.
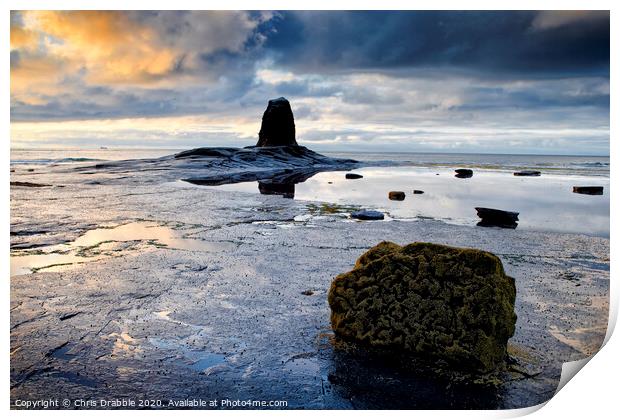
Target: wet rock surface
{"points": [[214, 166], [441, 303], [163, 322]]}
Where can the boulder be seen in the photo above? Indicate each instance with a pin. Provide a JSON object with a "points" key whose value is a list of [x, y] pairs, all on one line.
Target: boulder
{"points": [[367, 215], [527, 173], [588, 190], [353, 176], [396, 195], [278, 126], [443, 304], [499, 218], [464, 173]]}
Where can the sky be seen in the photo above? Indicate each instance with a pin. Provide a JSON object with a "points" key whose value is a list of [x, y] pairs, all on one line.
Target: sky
{"points": [[426, 81]]}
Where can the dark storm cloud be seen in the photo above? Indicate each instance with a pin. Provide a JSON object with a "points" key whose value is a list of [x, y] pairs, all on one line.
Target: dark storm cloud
{"points": [[519, 43], [504, 81]]}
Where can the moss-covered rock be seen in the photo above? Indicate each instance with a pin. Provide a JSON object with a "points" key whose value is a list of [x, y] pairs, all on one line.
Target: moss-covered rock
{"points": [[438, 302]]}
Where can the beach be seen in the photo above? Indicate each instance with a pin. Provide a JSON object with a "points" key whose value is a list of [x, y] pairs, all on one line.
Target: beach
{"points": [[130, 283]]}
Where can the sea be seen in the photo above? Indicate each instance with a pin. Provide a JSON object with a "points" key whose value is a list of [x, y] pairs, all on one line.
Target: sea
{"points": [[545, 203]]}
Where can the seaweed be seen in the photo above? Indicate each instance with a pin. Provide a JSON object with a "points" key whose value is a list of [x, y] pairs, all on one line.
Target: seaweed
{"points": [[443, 303]]}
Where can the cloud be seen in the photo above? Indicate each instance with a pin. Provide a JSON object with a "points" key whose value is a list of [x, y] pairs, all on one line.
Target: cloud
{"points": [[550, 19], [355, 79], [499, 44], [123, 49]]}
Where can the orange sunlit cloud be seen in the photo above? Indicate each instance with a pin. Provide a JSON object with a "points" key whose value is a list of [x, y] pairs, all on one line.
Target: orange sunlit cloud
{"points": [[109, 47]]}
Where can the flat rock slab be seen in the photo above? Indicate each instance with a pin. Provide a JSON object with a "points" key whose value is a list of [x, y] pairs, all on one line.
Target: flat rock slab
{"points": [[170, 323]]}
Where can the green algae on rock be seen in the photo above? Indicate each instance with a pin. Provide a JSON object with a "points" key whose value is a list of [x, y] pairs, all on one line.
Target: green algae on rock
{"points": [[454, 305]]}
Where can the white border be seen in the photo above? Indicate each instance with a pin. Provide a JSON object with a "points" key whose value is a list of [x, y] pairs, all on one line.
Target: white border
{"points": [[593, 394]]}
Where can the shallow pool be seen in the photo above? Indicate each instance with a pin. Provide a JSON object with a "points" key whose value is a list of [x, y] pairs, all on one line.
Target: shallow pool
{"points": [[544, 203]]}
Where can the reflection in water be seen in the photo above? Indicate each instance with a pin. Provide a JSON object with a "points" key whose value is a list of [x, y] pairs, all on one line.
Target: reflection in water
{"points": [[545, 203], [505, 225], [374, 381], [281, 182], [285, 190], [107, 242]]}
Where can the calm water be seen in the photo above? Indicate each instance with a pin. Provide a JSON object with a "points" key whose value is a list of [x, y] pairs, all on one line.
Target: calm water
{"points": [[571, 165], [545, 203], [101, 243]]}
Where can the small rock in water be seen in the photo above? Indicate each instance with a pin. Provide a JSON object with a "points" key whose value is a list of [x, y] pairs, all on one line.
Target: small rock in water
{"points": [[588, 190], [418, 192], [443, 304], [396, 195], [464, 173], [367, 215], [353, 176], [527, 173], [498, 218]]}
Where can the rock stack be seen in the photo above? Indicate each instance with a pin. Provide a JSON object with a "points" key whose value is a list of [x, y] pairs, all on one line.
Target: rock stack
{"points": [[278, 126]]}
